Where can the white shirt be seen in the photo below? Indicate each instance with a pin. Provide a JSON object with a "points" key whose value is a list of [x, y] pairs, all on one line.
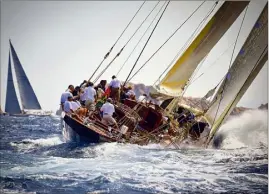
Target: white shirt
{"points": [[130, 93], [75, 105], [83, 95], [115, 83], [67, 106], [90, 93], [65, 95], [108, 108], [142, 98]]}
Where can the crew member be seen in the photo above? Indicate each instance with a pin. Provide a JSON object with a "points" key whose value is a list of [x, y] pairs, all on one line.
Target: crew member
{"points": [[115, 89], [90, 97], [107, 110], [197, 128], [66, 94], [143, 98], [130, 93], [68, 105]]}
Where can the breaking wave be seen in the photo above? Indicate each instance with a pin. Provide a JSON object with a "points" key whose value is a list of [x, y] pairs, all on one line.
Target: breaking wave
{"points": [[248, 129]]}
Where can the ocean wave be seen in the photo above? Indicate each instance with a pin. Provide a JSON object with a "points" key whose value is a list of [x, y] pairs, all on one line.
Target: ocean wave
{"points": [[28, 144]]}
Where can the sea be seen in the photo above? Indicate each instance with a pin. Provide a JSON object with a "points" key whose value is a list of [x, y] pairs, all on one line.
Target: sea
{"points": [[36, 159]]}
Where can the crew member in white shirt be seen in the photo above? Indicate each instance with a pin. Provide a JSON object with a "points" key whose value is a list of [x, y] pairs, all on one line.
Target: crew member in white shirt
{"points": [[130, 93], [64, 98], [68, 108], [83, 96], [68, 105], [143, 98], [108, 110], [90, 97], [75, 105], [115, 88]]}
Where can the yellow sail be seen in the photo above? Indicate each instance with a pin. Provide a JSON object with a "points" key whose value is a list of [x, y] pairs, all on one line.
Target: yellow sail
{"points": [[245, 68], [174, 81]]}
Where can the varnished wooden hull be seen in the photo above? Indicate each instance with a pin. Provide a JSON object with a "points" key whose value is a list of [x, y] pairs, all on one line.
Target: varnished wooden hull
{"points": [[81, 133]]}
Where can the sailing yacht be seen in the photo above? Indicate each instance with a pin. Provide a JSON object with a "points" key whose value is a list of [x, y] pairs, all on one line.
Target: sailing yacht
{"points": [[28, 103], [142, 124]]}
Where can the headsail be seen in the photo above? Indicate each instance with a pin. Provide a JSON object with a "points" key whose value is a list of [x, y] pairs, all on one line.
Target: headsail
{"points": [[246, 66], [28, 97], [12, 103], [175, 80]]}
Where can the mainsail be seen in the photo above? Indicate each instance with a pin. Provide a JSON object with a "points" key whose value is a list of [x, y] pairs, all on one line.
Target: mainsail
{"points": [[12, 103], [246, 66], [175, 80], [28, 97]]}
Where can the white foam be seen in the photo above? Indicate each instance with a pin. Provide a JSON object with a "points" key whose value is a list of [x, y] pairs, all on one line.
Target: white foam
{"points": [[32, 143], [249, 129]]}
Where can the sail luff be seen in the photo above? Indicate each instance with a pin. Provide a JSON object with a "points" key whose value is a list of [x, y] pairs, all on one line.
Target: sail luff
{"points": [[12, 104], [28, 97], [174, 81], [241, 74]]}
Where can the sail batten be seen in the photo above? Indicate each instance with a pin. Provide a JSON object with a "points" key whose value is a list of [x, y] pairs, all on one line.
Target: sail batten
{"points": [[241, 74], [176, 78], [27, 95], [12, 104]]}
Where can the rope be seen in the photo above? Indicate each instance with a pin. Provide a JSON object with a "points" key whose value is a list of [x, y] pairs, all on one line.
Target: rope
{"points": [[126, 43], [146, 42], [225, 79], [140, 40], [141, 23], [213, 63], [108, 53], [185, 46], [188, 42], [166, 41], [130, 21]]}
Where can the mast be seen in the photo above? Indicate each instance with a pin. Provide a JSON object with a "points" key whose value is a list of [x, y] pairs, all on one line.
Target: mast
{"points": [[177, 77], [12, 103], [245, 68], [28, 97]]}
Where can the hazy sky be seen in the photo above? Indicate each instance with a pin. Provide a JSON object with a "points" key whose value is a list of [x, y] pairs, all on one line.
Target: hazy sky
{"points": [[62, 42]]}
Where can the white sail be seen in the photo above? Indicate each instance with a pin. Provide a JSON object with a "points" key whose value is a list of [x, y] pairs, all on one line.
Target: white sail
{"points": [[246, 66], [177, 77]]}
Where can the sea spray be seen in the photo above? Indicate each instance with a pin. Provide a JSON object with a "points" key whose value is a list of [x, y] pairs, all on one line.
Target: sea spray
{"points": [[248, 129]]}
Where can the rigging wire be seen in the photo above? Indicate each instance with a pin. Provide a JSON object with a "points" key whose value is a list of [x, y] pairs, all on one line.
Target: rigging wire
{"points": [[167, 40], [108, 53], [212, 64], [188, 42], [146, 43], [226, 75], [140, 39], [125, 44]]}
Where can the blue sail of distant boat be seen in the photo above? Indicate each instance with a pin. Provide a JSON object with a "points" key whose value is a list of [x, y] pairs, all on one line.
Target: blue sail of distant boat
{"points": [[12, 103], [28, 97]]}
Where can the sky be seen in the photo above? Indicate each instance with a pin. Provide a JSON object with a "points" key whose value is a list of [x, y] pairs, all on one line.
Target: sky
{"points": [[62, 42]]}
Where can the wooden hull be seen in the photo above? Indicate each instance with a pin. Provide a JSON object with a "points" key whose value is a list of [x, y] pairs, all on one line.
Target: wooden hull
{"points": [[81, 133]]}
